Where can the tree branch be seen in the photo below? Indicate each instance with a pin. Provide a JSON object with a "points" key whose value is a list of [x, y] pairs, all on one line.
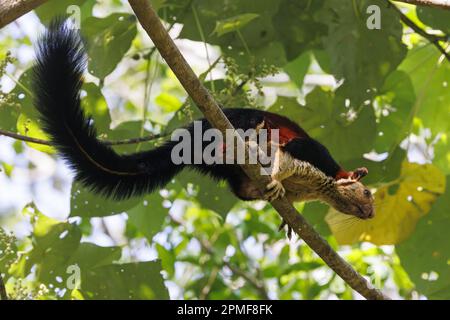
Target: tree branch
{"points": [[107, 142], [443, 4], [434, 39], [209, 107], [11, 10]]}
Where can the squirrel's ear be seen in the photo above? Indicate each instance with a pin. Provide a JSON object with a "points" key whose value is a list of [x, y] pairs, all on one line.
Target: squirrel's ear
{"points": [[359, 173], [345, 182]]}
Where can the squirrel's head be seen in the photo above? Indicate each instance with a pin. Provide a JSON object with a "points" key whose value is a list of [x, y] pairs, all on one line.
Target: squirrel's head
{"points": [[354, 199]]}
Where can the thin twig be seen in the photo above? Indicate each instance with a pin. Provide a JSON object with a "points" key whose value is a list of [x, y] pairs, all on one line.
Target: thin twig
{"points": [[107, 142], [207, 248], [259, 286], [250, 279], [212, 112], [433, 39], [207, 288], [23, 138]]}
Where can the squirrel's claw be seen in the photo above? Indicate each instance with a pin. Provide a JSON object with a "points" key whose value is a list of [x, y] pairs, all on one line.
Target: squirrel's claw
{"points": [[274, 190], [289, 229]]}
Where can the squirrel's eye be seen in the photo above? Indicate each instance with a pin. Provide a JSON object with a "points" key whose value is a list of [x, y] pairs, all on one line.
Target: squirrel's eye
{"points": [[367, 193]]}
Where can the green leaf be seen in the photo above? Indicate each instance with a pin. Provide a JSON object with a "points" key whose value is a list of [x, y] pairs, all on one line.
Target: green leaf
{"points": [[7, 169], [234, 23], [53, 245], [315, 213], [54, 8], [430, 75], [400, 276], [56, 246], [436, 18], [396, 101], [257, 33], [220, 245], [442, 153], [256, 223], [426, 254], [167, 259], [94, 104], [361, 56], [168, 102], [148, 216], [210, 194], [321, 118], [130, 281], [8, 252], [21, 103], [271, 271], [108, 40], [85, 203], [9, 112], [297, 69], [89, 255], [283, 258], [30, 128], [296, 27], [323, 59]]}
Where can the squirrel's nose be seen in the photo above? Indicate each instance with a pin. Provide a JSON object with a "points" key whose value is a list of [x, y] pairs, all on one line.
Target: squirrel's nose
{"points": [[371, 213], [367, 212]]}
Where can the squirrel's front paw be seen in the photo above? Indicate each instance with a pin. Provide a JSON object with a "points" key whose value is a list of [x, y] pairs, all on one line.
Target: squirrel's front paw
{"points": [[274, 190]]}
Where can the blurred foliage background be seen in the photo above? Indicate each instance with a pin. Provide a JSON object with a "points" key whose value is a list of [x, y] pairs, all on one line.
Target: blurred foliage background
{"points": [[378, 98]]}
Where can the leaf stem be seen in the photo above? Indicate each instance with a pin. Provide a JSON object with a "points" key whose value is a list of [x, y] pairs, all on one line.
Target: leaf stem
{"points": [[244, 43], [17, 82], [202, 36]]}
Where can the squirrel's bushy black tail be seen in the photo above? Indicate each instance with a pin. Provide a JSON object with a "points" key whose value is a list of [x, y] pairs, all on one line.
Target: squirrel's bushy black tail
{"points": [[58, 77]]}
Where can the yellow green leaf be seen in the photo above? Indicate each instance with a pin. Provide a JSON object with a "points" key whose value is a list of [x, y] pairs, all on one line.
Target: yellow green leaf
{"points": [[168, 102], [399, 205], [233, 23], [76, 295], [28, 127], [7, 168]]}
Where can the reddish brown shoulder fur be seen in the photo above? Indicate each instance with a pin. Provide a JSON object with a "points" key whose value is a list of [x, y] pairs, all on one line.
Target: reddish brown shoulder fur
{"points": [[288, 129]]}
